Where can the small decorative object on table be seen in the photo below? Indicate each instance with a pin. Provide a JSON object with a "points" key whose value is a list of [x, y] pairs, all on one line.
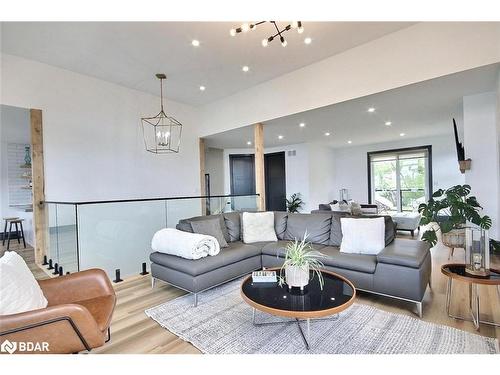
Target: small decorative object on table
{"points": [[477, 252], [294, 203], [300, 259], [27, 155], [264, 276]]}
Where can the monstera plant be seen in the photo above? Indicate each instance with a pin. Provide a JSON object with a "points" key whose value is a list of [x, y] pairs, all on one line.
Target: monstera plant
{"points": [[450, 209]]}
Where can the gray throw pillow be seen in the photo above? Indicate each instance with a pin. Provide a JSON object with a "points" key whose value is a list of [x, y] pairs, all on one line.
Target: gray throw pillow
{"points": [[210, 227]]}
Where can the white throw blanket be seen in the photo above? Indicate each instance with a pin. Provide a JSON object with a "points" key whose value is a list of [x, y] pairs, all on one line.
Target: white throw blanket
{"points": [[183, 244]]}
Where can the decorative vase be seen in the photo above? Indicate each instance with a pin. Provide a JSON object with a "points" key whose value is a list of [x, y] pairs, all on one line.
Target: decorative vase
{"points": [[296, 276], [477, 252], [27, 155]]}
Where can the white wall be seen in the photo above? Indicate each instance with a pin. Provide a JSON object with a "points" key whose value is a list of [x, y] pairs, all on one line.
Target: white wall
{"points": [[351, 165], [481, 145], [420, 52], [321, 175], [93, 141], [296, 170], [214, 165]]}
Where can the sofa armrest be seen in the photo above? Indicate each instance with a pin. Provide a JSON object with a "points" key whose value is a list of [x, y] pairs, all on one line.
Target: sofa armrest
{"points": [[67, 328], [407, 253], [78, 286]]}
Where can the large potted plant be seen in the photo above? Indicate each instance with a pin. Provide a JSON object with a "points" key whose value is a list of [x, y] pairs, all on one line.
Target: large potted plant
{"points": [[451, 209], [300, 259]]}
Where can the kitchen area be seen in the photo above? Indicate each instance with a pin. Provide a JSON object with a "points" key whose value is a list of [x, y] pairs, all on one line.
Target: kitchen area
{"points": [[16, 195]]}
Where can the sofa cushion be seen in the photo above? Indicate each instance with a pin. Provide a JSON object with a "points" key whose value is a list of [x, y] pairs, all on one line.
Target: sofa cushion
{"points": [[317, 227], [279, 248], [362, 235], [233, 225], [336, 231], [185, 224], [19, 291], [258, 227], [210, 228], [235, 252], [403, 252], [356, 262], [280, 220]]}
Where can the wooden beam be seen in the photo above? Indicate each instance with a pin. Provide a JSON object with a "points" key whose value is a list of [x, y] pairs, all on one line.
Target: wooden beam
{"points": [[260, 187], [202, 174], [40, 220]]}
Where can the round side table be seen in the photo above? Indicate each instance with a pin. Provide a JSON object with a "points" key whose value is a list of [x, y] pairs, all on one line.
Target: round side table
{"points": [[457, 272]]}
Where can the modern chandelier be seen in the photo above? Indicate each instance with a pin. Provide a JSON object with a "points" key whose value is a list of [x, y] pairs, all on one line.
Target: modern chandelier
{"points": [[279, 33], [162, 133]]}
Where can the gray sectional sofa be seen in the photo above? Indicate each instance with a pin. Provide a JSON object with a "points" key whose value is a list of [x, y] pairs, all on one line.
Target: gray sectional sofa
{"points": [[402, 270]]}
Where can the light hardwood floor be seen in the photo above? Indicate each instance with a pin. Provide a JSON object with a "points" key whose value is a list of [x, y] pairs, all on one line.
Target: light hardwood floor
{"points": [[133, 332]]}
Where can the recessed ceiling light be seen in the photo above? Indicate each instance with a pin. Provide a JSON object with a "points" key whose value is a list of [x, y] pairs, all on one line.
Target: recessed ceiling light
{"points": [[302, 124], [249, 143], [195, 43], [202, 88], [402, 134], [280, 137], [349, 142], [371, 109], [307, 40], [245, 68], [327, 134], [388, 123]]}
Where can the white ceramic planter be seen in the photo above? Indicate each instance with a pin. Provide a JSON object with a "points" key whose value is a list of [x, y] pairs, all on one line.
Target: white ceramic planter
{"points": [[297, 276]]}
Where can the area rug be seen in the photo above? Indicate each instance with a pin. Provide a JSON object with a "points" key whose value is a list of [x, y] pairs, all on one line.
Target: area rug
{"points": [[222, 324]]}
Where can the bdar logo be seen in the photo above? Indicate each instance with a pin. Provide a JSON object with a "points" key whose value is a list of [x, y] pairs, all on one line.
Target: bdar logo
{"points": [[8, 347]]}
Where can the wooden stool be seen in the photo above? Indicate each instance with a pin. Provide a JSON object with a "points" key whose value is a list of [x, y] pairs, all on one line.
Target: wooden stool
{"points": [[19, 234], [7, 220]]}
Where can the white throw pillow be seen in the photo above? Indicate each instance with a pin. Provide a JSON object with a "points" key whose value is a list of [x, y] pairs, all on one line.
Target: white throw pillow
{"points": [[362, 236], [19, 291], [258, 226]]}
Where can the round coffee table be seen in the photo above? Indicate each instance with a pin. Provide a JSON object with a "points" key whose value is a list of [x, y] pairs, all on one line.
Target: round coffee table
{"points": [[310, 304], [457, 272]]}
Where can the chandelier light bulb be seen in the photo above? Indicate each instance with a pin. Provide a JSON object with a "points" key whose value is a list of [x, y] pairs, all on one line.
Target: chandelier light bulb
{"points": [[307, 40], [232, 32], [264, 43], [300, 30], [283, 42], [295, 24], [245, 27]]}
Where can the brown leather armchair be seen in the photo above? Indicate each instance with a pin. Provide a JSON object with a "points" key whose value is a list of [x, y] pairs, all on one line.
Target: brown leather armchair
{"points": [[78, 315]]}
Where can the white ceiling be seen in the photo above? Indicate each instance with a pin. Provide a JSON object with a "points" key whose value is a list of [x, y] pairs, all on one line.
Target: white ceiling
{"points": [[130, 53], [423, 109]]}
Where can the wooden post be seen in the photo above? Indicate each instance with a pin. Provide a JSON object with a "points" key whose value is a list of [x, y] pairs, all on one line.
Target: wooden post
{"points": [[39, 210], [260, 187], [202, 175]]}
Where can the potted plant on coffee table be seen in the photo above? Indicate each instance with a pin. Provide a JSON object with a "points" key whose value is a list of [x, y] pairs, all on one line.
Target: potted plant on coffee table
{"points": [[300, 259]]}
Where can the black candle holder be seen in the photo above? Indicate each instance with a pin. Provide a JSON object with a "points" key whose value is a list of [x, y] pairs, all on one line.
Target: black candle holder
{"points": [[56, 269], [61, 271], [45, 262], [51, 267]]}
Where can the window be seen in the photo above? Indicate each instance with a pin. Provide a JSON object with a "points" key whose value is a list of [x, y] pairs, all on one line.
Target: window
{"points": [[399, 180]]}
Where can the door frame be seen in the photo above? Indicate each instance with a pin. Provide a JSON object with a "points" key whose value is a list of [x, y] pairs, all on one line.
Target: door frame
{"points": [[395, 150]]}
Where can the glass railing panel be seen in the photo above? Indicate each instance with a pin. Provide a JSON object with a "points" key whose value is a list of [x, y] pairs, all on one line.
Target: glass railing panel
{"points": [[67, 237], [118, 235], [242, 203], [178, 209], [52, 241]]}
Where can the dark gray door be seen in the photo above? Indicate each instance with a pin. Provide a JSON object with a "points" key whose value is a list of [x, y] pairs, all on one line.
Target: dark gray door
{"points": [[242, 174], [275, 181]]}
